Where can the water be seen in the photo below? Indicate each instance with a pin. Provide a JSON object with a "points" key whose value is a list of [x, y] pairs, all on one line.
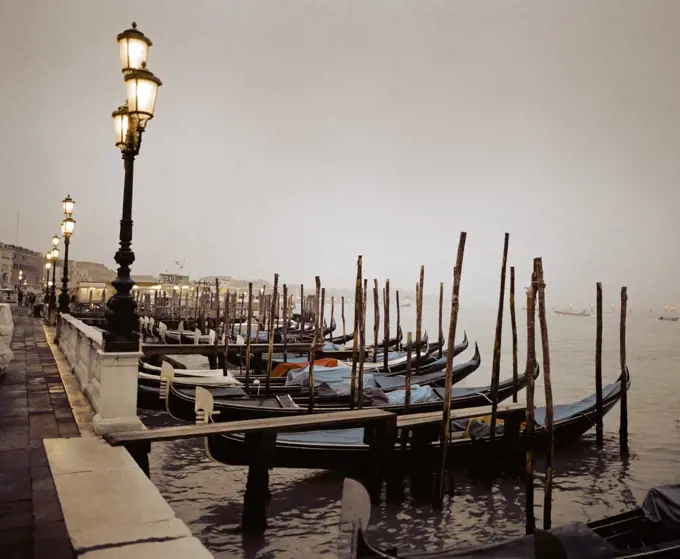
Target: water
{"points": [[589, 483]]}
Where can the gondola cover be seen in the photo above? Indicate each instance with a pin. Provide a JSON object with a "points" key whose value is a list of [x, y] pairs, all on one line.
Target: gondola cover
{"points": [[662, 505]]}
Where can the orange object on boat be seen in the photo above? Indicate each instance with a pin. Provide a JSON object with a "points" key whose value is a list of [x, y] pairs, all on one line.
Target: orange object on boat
{"points": [[282, 368]]}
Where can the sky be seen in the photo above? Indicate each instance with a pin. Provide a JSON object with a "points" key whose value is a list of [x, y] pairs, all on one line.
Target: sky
{"points": [[292, 136]]}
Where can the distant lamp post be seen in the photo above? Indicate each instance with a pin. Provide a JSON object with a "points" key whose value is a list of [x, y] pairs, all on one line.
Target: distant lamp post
{"points": [[48, 267], [129, 123], [53, 288], [67, 227], [21, 277]]}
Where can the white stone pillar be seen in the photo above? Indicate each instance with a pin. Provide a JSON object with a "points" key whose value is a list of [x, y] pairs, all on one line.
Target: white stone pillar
{"points": [[116, 405]]}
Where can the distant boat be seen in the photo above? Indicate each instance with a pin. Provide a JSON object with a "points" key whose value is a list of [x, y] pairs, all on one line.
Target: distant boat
{"points": [[671, 318], [571, 313], [406, 303]]}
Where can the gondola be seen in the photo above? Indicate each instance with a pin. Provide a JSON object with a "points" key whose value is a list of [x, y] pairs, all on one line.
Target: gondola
{"points": [[392, 342], [342, 339], [345, 450], [670, 318], [650, 531], [396, 360], [571, 313], [149, 383], [388, 395]]}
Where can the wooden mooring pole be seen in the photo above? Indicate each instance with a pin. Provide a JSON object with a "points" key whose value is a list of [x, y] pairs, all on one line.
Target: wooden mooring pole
{"points": [[531, 360], [407, 388], [438, 493], [549, 412], [285, 323], [342, 308], [398, 319], [330, 334], [270, 327], [386, 331], [496, 364], [440, 335], [227, 308], [197, 293], [240, 318], [322, 309], [419, 318], [250, 318], [362, 341], [355, 342], [599, 411], [376, 320], [312, 348], [513, 326], [623, 425], [302, 310]]}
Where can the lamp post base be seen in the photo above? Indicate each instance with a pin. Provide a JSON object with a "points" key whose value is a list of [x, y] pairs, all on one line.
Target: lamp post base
{"points": [[119, 344], [64, 303]]}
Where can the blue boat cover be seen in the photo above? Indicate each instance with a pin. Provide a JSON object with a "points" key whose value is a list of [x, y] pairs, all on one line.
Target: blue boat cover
{"points": [[419, 395], [562, 411], [355, 436], [326, 375]]}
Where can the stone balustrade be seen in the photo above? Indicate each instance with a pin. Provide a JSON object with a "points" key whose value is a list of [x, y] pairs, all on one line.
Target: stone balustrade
{"points": [[108, 379]]}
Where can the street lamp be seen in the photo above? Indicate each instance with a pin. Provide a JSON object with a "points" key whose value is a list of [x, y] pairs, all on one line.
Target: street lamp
{"points": [[129, 123], [67, 227], [55, 255], [48, 267]]}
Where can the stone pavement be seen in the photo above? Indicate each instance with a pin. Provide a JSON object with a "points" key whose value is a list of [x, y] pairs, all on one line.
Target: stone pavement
{"points": [[33, 406]]}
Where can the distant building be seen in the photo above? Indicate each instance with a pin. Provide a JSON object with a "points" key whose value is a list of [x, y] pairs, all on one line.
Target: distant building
{"points": [[6, 261], [18, 261]]}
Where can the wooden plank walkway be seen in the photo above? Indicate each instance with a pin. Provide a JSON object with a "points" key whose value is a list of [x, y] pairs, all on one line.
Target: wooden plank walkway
{"points": [[310, 422], [344, 419]]}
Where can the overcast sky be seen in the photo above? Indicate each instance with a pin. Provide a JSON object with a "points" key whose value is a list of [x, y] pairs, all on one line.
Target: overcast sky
{"points": [[291, 136]]}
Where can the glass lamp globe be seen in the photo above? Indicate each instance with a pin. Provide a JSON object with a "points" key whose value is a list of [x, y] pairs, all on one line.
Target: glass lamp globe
{"points": [[134, 48]]}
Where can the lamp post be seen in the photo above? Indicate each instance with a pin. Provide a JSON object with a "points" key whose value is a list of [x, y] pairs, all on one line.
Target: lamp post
{"points": [[129, 122], [67, 227], [55, 256], [48, 267]]}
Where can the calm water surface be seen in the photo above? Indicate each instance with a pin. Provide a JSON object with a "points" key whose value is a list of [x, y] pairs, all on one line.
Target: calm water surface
{"points": [[589, 483]]}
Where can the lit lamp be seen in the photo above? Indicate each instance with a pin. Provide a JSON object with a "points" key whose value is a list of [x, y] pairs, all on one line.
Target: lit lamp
{"points": [[68, 205], [134, 48], [67, 227], [48, 266], [53, 289], [129, 123]]}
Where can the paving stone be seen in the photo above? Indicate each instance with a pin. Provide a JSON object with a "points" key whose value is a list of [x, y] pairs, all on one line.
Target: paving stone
{"points": [[15, 486], [54, 548], [31, 519], [14, 459], [16, 514], [14, 438], [47, 512]]}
